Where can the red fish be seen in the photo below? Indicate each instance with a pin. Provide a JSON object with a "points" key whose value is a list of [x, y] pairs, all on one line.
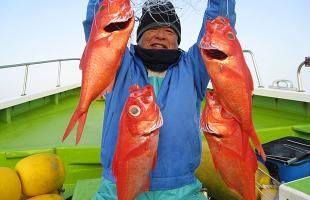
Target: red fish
{"points": [[136, 149], [230, 77], [111, 29], [223, 133], [227, 117]]}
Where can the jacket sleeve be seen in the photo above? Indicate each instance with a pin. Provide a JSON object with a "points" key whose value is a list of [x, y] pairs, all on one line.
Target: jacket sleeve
{"points": [[92, 8], [215, 8]]}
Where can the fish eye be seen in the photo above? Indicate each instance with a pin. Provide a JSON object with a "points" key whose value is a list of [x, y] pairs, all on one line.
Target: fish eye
{"points": [[230, 36], [134, 110]]}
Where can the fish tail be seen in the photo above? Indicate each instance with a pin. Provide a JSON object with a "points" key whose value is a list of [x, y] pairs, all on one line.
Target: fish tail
{"points": [[80, 116], [81, 125], [258, 145], [71, 124]]}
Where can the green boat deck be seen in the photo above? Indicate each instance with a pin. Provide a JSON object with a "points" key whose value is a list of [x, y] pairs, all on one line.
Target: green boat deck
{"points": [[38, 126], [41, 124]]}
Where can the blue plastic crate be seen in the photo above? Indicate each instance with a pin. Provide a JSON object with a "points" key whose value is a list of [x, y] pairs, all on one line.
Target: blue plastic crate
{"points": [[293, 171], [288, 158]]}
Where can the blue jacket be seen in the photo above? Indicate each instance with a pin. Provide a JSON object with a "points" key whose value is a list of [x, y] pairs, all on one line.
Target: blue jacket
{"points": [[179, 99]]}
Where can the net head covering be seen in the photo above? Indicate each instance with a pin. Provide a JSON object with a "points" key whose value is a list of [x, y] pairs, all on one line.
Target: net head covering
{"points": [[156, 13]]}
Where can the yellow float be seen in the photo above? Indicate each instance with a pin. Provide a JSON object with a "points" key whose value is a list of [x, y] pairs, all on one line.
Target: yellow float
{"points": [[10, 186], [47, 197], [40, 174]]}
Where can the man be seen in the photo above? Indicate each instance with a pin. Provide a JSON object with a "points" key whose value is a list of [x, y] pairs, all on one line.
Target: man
{"points": [[180, 80]]}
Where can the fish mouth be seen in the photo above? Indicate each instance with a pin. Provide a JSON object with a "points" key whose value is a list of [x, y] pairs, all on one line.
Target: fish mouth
{"points": [[207, 129], [210, 50], [158, 123], [119, 23]]}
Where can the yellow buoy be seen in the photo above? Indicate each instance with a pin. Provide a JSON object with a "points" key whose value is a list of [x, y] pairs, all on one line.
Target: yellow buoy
{"points": [[47, 197], [10, 186], [40, 173], [262, 174]]}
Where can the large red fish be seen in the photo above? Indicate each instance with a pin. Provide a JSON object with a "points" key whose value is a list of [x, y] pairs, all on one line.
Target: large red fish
{"points": [[223, 133], [136, 149], [111, 29], [230, 77]]}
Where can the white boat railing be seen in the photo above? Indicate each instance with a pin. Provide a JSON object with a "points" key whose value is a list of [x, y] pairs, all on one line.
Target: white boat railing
{"points": [[260, 85], [305, 63], [28, 64]]}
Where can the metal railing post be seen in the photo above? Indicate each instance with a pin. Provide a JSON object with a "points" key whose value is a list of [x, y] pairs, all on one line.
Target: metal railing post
{"points": [[260, 85], [25, 81], [307, 64], [59, 71], [36, 63]]}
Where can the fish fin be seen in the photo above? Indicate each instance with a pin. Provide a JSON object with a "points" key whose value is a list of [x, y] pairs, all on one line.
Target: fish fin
{"points": [[110, 87], [146, 186], [100, 97], [258, 145], [139, 150], [82, 61], [80, 128], [249, 78], [71, 124], [77, 116]]}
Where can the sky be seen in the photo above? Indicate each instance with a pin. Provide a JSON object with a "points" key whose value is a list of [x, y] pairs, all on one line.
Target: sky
{"points": [[276, 31]]}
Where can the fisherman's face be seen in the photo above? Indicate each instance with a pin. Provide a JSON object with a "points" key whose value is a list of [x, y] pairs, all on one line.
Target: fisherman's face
{"points": [[159, 38]]}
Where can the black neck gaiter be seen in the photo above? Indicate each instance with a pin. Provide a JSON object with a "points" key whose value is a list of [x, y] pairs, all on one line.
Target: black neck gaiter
{"points": [[158, 60]]}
